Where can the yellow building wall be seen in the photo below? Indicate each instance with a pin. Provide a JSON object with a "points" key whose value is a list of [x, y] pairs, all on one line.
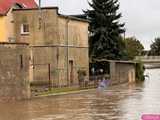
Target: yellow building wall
{"points": [[6, 27], [10, 27], [3, 28]]}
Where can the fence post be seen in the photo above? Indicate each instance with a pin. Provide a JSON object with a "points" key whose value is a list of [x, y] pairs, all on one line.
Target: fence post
{"points": [[49, 76]]}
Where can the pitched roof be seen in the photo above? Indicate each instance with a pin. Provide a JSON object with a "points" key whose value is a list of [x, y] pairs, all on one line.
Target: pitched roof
{"points": [[5, 5]]}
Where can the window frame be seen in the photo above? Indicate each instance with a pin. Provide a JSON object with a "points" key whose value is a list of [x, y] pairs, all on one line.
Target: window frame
{"points": [[23, 29]]}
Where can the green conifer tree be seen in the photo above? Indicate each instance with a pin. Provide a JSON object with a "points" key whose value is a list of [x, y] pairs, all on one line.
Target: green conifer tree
{"points": [[155, 47], [105, 30]]}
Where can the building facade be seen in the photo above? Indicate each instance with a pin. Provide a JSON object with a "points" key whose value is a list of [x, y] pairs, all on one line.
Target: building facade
{"points": [[59, 45], [122, 72], [6, 17]]}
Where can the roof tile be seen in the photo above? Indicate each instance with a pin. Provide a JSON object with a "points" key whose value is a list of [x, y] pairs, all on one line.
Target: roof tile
{"points": [[5, 5]]}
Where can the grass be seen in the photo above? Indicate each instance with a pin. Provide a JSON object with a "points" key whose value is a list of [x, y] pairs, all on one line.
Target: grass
{"points": [[62, 90]]}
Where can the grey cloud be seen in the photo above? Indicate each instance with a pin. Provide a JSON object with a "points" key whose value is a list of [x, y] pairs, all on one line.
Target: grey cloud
{"points": [[142, 19], [68, 6]]}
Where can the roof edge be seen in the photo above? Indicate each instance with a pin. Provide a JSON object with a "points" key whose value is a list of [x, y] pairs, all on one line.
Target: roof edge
{"points": [[42, 8], [73, 18], [9, 7], [14, 43], [116, 61], [60, 15], [5, 14]]}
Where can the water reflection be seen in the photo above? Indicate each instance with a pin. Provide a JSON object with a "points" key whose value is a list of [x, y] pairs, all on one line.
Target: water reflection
{"points": [[126, 102]]}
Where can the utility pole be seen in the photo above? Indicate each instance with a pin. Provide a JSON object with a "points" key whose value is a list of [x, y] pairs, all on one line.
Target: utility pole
{"points": [[39, 4]]}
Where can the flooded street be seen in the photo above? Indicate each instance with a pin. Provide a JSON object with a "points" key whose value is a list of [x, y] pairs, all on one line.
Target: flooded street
{"points": [[117, 103]]}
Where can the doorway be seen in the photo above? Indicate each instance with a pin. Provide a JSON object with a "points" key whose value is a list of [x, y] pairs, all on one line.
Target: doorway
{"points": [[71, 73]]}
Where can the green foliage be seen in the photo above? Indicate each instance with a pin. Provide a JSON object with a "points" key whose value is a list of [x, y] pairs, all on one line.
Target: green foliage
{"points": [[155, 47], [140, 71], [105, 30], [81, 75], [133, 47], [58, 90], [97, 65]]}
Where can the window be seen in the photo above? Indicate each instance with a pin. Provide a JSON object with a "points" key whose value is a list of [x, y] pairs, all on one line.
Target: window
{"points": [[25, 29]]}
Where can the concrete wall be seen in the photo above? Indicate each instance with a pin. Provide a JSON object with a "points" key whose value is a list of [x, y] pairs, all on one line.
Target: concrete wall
{"points": [[76, 32], [57, 58], [122, 72], [14, 71]]}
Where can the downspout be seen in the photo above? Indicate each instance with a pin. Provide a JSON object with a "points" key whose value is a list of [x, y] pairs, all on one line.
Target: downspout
{"points": [[67, 52]]}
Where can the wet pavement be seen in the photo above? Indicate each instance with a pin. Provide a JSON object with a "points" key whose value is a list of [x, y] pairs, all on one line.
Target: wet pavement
{"points": [[125, 102]]}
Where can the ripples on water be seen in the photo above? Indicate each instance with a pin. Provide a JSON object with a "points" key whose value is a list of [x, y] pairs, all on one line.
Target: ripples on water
{"points": [[125, 102]]}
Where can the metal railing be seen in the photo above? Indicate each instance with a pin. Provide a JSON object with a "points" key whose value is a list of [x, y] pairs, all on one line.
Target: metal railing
{"points": [[148, 58], [88, 83]]}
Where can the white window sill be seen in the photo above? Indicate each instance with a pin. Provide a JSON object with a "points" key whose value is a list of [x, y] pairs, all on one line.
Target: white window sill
{"points": [[26, 33]]}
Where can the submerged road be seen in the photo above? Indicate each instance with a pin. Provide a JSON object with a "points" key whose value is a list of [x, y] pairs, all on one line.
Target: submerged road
{"points": [[125, 102]]}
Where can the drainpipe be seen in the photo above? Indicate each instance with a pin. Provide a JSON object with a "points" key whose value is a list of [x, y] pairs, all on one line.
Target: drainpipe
{"points": [[67, 52], [31, 66], [40, 15]]}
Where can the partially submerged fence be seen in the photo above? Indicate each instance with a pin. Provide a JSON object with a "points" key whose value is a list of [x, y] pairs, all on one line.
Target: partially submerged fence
{"points": [[87, 83]]}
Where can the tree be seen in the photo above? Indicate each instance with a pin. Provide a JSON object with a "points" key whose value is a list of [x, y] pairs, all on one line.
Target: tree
{"points": [[155, 47], [105, 30], [134, 47]]}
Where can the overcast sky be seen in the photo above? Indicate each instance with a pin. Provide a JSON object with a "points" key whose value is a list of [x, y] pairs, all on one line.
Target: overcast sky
{"points": [[142, 17]]}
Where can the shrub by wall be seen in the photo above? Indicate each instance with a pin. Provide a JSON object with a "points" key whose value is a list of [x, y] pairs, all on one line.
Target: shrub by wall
{"points": [[140, 71]]}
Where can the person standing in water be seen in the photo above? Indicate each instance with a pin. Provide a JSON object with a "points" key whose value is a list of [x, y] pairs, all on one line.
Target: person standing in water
{"points": [[102, 85]]}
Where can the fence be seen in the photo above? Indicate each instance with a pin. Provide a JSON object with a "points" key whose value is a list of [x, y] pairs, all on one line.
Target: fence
{"points": [[86, 83]]}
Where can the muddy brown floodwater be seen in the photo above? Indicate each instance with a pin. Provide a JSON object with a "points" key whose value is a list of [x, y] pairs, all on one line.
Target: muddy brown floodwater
{"points": [[125, 102]]}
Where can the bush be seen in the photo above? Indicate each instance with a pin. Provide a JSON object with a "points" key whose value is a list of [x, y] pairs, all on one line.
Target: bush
{"points": [[82, 73], [140, 71], [81, 77]]}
